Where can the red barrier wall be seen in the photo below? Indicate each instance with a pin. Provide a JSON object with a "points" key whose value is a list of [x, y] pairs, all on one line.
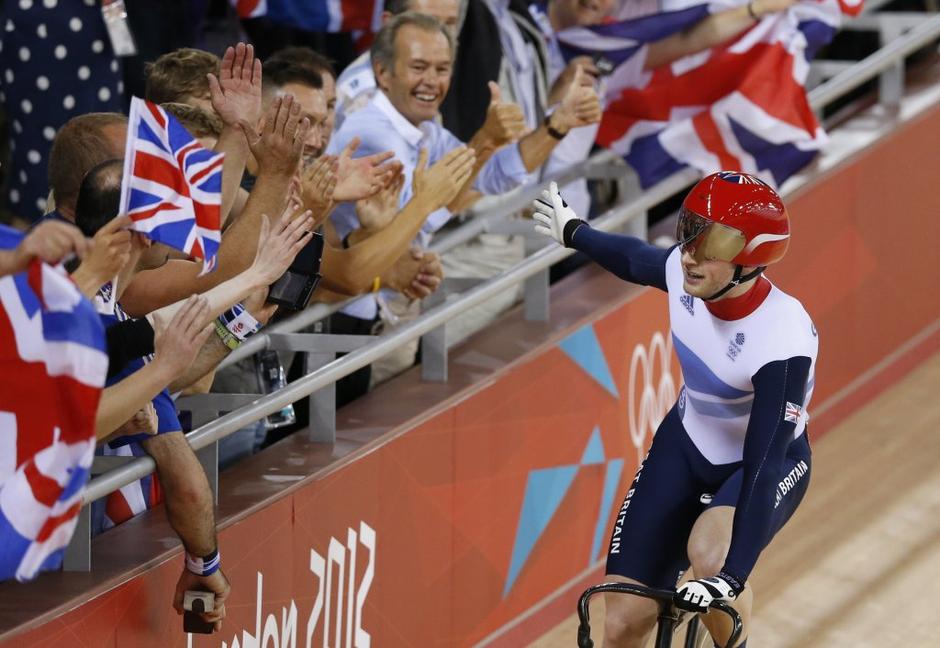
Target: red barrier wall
{"points": [[430, 539]]}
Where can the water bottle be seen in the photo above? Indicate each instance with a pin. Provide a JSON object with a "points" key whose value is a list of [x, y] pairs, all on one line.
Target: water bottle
{"points": [[272, 377]]}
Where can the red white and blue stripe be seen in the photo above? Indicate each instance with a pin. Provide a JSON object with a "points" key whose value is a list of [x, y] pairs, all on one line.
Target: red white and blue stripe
{"points": [[53, 361], [316, 15], [172, 187], [742, 105]]}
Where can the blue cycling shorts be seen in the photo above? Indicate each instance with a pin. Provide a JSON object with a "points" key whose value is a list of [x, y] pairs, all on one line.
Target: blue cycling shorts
{"points": [[673, 486]]}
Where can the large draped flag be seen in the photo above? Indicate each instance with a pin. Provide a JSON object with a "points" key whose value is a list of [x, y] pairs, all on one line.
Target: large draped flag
{"points": [[316, 15], [172, 186], [52, 368], [740, 106]]}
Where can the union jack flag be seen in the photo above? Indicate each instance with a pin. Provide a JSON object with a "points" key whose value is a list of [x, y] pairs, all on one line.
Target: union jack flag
{"points": [[52, 368], [172, 186], [793, 412], [741, 105]]}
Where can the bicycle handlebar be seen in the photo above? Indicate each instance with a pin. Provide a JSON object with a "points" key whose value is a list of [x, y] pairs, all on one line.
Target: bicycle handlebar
{"points": [[663, 596]]}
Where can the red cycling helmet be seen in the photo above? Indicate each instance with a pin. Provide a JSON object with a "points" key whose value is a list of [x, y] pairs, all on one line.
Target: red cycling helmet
{"points": [[735, 217]]}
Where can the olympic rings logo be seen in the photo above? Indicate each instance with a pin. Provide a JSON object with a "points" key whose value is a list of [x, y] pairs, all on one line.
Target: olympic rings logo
{"points": [[650, 371]]}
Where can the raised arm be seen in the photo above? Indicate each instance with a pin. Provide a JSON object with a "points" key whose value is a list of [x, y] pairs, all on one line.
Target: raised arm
{"points": [[628, 257], [711, 31], [236, 97]]}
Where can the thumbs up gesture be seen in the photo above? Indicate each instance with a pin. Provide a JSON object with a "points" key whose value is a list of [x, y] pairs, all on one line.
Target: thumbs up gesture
{"points": [[580, 104], [504, 123]]}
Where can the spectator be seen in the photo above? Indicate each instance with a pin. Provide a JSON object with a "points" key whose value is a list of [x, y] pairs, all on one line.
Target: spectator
{"points": [[82, 143], [322, 66], [181, 76], [412, 58], [356, 85]]}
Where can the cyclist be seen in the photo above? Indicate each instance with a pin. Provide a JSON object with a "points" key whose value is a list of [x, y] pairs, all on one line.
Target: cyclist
{"points": [[730, 462]]}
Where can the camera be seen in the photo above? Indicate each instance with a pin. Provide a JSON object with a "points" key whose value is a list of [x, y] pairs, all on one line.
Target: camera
{"points": [[294, 288]]}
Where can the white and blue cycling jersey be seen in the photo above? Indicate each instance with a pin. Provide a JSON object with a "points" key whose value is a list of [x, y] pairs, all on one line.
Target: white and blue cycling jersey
{"points": [[720, 357]]}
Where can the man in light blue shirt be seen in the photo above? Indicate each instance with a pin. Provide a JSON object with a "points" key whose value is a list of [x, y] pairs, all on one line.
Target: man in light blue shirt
{"points": [[355, 87], [412, 57]]}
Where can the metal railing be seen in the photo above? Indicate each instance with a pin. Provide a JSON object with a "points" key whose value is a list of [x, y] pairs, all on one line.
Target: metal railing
{"points": [[887, 64]]}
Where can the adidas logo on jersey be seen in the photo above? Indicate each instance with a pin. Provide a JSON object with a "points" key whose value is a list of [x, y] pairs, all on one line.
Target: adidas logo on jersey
{"points": [[689, 302]]}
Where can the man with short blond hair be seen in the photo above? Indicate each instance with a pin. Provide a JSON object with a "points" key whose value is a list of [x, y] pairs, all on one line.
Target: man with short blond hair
{"points": [[181, 77]]}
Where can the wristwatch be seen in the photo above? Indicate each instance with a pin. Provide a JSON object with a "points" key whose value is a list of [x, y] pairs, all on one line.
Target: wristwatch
{"points": [[554, 132]]}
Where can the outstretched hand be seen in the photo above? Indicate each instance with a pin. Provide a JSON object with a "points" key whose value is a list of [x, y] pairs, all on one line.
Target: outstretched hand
{"points": [[236, 92], [279, 243], [554, 217], [176, 343]]}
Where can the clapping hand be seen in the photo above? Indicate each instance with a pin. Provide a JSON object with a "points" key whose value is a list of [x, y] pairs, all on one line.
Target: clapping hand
{"points": [[280, 142], [318, 187], [362, 177], [379, 209], [439, 185]]}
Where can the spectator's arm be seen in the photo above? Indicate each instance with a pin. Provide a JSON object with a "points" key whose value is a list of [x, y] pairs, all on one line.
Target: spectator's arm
{"points": [[277, 246], [50, 242], [109, 252], [236, 97], [711, 31], [351, 271], [175, 345], [580, 107], [214, 350]]}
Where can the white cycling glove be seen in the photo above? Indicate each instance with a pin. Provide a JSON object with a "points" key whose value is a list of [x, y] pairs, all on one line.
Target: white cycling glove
{"points": [[697, 595], [554, 217]]}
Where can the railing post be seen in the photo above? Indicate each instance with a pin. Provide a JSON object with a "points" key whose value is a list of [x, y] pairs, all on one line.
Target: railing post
{"points": [[536, 295], [434, 344], [891, 81], [77, 556], [322, 403]]}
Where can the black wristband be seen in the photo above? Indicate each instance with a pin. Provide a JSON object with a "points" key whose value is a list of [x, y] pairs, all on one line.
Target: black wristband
{"points": [[557, 134], [570, 228]]}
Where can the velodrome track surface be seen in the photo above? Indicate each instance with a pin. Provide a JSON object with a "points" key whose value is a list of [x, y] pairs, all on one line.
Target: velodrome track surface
{"points": [[858, 564]]}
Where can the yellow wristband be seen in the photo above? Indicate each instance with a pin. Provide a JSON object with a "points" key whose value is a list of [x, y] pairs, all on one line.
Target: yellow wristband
{"points": [[376, 284]]}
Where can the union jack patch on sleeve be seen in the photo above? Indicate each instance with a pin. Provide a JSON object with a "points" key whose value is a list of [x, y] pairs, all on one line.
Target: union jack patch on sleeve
{"points": [[793, 412]]}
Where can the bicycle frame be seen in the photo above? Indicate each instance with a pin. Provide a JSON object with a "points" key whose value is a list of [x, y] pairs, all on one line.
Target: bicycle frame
{"points": [[669, 614]]}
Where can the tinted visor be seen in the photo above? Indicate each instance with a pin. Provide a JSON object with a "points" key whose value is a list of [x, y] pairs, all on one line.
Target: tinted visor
{"points": [[707, 240]]}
